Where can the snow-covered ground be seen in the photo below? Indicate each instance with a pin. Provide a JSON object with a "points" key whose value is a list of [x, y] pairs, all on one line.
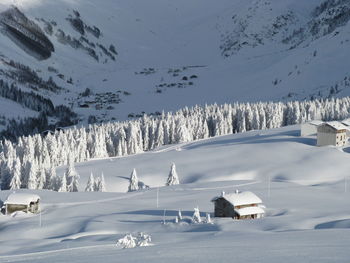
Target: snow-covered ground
{"points": [[307, 216]]}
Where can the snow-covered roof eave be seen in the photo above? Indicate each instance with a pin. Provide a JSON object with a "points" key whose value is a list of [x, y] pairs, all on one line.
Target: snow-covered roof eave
{"points": [[314, 122], [336, 125], [21, 199], [252, 210]]}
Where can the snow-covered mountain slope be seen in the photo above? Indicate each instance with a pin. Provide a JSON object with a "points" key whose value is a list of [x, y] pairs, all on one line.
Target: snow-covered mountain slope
{"points": [[306, 215], [114, 59]]}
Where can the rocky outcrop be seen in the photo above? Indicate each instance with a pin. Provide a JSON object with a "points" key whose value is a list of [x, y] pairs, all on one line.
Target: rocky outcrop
{"points": [[25, 33]]}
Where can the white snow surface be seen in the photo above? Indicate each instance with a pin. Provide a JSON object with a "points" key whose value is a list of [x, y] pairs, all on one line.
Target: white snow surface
{"points": [[21, 198], [307, 216]]}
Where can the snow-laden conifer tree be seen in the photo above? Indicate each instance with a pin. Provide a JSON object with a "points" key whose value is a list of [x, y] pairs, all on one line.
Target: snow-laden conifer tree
{"points": [[55, 181], [63, 186], [41, 178], [173, 178], [196, 218], [180, 215], [101, 184], [32, 176], [134, 182], [208, 219], [16, 178], [90, 186], [72, 176]]}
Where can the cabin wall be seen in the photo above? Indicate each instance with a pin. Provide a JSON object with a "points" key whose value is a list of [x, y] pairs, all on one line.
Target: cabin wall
{"points": [[33, 207], [11, 208], [224, 209], [308, 129], [336, 139], [324, 139]]}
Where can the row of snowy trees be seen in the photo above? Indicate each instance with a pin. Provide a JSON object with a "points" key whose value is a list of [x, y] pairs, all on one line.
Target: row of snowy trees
{"points": [[30, 162], [135, 184]]}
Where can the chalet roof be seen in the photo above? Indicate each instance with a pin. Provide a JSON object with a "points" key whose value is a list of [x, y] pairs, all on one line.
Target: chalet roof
{"points": [[251, 210], [240, 198], [21, 199], [336, 125], [315, 122], [346, 122]]}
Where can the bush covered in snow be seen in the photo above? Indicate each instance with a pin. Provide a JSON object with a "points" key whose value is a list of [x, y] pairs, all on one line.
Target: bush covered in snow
{"points": [[130, 241]]}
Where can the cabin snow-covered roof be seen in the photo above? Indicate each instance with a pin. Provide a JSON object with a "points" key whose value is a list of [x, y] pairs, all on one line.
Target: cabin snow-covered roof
{"points": [[240, 198], [21, 199], [251, 210], [336, 125], [314, 122], [346, 122]]}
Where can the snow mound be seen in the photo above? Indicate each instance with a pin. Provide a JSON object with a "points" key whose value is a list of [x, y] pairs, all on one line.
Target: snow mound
{"points": [[130, 241]]}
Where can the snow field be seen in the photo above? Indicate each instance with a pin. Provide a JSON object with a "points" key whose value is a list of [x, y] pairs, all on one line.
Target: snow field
{"points": [[306, 215]]}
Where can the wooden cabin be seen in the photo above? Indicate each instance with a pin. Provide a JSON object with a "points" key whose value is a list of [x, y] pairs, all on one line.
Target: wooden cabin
{"points": [[25, 202], [332, 133], [309, 128], [238, 205]]}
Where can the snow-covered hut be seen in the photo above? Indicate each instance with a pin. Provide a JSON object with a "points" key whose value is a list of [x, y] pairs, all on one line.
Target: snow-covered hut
{"points": [[22, 202], [309, 128], [238, 205], [332, 133]]}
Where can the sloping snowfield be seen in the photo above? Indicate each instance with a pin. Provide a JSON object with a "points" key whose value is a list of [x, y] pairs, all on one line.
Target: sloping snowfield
{"points": [[307, 215]]}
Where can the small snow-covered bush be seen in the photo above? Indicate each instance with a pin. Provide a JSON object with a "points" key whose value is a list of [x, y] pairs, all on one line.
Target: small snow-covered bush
{"points": [[127, 241], [130, 241], [208, 219], [143, 240]]}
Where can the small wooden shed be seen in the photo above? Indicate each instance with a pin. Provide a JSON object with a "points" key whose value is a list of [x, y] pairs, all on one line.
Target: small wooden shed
{"points": [[24, 202], [238, 205], [332, 133]]}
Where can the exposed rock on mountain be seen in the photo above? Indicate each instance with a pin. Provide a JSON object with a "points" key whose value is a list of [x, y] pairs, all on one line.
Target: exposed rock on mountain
{"points": [[25, 33]]}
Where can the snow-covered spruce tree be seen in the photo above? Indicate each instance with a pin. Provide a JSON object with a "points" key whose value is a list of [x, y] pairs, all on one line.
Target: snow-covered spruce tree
{"points": [[72, 176], [63, 186], [208, 219], [134, 181], [32, 176], [196, 218], [180, 215], [173, 178], [55, 181], [6, 174], [90, 186], [41, 178], [16, 178], [101, 184]]}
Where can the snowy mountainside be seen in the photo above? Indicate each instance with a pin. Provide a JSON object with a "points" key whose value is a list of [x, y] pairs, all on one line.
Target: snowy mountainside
{"points": [[84, 226], [114, 60]]}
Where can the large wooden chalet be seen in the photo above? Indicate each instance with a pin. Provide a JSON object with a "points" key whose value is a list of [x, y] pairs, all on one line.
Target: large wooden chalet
{"points": [[238, 205]]}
